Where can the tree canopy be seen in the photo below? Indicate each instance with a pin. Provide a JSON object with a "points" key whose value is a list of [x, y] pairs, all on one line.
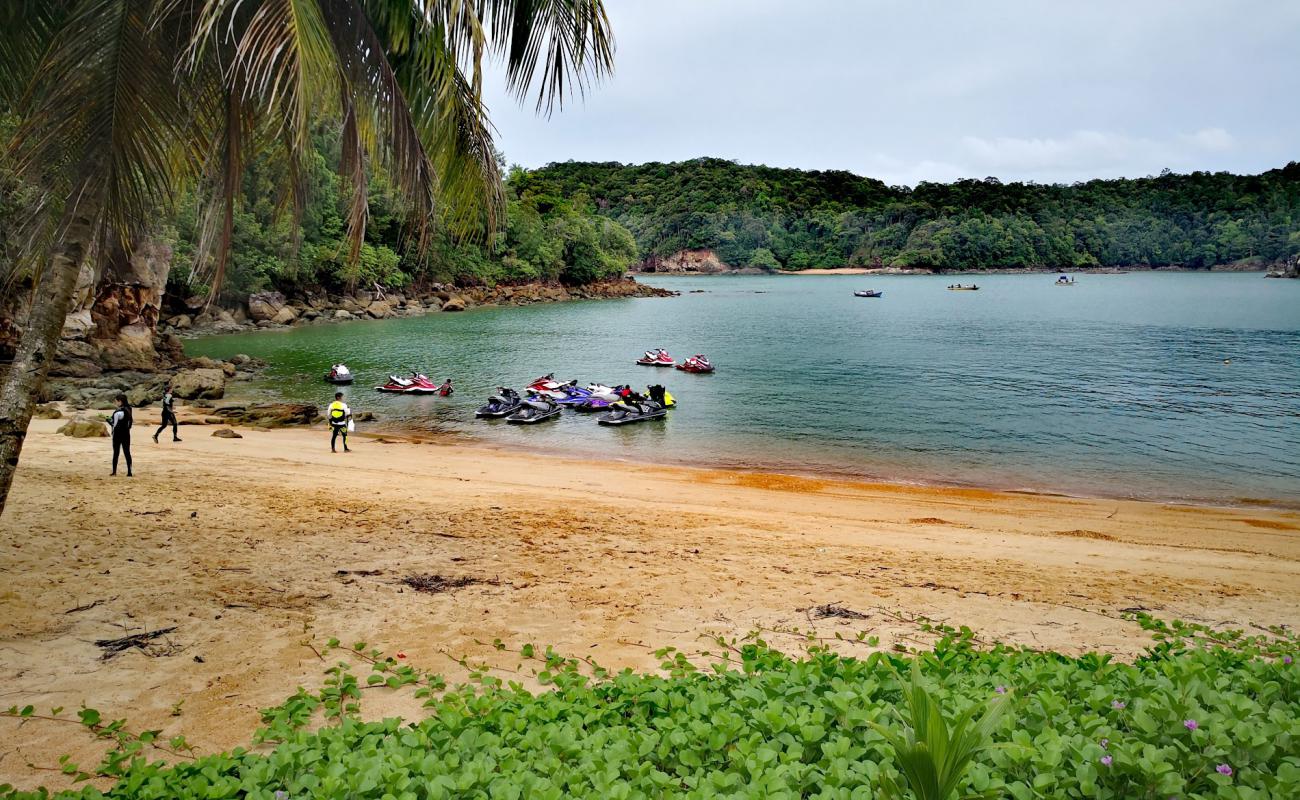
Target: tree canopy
{"points": [[796, 219]]}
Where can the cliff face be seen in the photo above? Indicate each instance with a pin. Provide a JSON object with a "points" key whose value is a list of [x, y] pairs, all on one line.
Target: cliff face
{"points": [[702, 260], [114, 319]]}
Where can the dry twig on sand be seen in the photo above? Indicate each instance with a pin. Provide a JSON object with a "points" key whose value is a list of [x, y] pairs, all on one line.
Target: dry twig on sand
{"points": [[434, 584], [112, 647]]}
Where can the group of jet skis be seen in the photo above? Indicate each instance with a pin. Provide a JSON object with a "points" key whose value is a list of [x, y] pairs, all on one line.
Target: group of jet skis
{"points": [[545, 398]]}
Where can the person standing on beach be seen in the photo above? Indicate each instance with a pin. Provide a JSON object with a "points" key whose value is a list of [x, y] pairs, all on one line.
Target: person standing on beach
{"points": [[120, 422], [339, 417], [168, 414]]}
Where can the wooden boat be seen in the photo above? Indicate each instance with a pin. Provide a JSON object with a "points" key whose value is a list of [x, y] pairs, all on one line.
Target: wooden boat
{"points": [[869, 293], [959, 288]]}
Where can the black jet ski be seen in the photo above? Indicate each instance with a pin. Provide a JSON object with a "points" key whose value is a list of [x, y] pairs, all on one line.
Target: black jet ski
{"points": [[504, 403], [639, 408], [535, 410]]}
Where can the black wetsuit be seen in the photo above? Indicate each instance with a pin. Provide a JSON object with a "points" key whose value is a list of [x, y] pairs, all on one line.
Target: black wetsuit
{"points": [[168, 417], [121, 423]]}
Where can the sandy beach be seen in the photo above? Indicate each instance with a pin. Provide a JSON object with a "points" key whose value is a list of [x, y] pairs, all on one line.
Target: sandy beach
{"points": [[250, 547]]}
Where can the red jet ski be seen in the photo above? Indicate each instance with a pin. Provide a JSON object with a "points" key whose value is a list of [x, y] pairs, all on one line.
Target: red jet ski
{"points": [[696, 363], [416, 384], [656, 358]]}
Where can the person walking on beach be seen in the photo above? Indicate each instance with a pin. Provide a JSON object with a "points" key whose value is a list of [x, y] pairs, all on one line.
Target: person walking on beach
{"points": [[120, 422], [168, 414], [340, 416]]}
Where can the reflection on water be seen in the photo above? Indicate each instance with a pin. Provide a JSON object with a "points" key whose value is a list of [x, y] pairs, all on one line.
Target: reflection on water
{"points": [[1116, 386]]}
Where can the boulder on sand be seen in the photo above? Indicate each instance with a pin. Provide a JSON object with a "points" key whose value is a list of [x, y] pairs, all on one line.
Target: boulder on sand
{"points": [[271, 415], [199, 383], [46, 412], [84, 427], [226, 433]]}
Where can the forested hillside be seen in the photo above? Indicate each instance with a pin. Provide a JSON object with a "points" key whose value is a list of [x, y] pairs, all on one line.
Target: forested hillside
{"points": [[794, 219]]}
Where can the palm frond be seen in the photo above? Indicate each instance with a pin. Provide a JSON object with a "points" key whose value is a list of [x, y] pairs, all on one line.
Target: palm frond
{"points": [[26, 29], [562, 45], [104, 119]]}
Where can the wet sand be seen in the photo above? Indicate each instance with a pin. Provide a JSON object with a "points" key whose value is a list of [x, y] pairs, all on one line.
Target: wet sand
{"points": [[250, 547]]}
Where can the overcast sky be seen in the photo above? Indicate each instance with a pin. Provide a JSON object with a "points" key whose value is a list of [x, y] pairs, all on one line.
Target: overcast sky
{"points": [[911, 90]]}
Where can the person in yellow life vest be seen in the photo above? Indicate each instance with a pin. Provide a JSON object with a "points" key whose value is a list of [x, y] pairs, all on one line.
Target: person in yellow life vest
{"points": [[339, 415]]}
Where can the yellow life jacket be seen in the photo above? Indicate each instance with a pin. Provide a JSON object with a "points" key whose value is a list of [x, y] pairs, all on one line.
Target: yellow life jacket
{"points": [[338, 412]]}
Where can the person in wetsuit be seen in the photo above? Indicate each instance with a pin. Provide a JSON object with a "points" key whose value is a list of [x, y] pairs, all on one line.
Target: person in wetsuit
{"points": [[168, 414], [120, 422], [338, 416]]}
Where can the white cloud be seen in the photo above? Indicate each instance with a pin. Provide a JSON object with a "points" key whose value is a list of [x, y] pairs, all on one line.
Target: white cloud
{"points": [[1212, 139]]}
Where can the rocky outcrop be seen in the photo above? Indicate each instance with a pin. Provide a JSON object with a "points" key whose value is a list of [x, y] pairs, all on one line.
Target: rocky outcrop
{"points": [[271, 309], [264, 306], [196, 384], [1291, 269], [269, 415], [702, 260], [84, 428]]}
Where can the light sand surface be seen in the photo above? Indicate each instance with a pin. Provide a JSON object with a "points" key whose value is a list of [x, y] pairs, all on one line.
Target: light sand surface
{"points": [[240, 544]]}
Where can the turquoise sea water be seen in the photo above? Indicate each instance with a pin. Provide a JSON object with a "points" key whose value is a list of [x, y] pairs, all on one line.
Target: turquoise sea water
{"points": [[1116, 386]]}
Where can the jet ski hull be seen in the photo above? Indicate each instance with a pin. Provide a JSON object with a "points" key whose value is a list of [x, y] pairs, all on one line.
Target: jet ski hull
{"points": [[645, 363], [629, 419], [406, 390], [532, 419], [337, 381], [487, 413]]}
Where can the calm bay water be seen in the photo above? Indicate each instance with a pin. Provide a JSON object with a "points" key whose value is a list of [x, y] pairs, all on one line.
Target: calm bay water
{"points": [[1116, 386]]}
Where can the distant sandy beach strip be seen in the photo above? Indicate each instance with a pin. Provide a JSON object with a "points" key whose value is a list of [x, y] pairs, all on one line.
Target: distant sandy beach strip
{"points": [[249, 547]]}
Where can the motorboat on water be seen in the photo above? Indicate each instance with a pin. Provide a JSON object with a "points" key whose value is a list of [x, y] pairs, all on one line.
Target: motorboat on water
{"points": [[957, 287], [869, 293], [535, 410], [639, 408], [1065, 280], [502, 404], [698, 364], [339, 374], [656, 358]]}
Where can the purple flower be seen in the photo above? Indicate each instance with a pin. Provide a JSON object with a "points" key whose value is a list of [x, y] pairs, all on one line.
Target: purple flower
{"points": [[1118, 705], [1223, 769], [1000, 689], [1286, 660], [1106, 760], [281, 794], [1104, 743], [1190, 724]]}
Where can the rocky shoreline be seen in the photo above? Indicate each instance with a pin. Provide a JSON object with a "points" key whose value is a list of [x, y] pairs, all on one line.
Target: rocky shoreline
{"points": [[144, 353], [276, 310]]}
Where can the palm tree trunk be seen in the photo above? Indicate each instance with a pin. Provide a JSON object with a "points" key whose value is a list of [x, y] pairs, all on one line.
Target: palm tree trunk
{"points": [[50, 301]]}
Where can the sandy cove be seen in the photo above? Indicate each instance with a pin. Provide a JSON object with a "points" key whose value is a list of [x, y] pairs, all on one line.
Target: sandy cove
{"points": [[251, 546]]}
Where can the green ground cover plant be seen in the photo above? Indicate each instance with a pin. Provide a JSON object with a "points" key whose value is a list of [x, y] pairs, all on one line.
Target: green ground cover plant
{"points": [[1202, 714]]}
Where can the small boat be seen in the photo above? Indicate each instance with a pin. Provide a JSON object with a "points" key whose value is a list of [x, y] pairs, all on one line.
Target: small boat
{"points": [[869, 293], [339, 374], [656, 358], [1065, 280], [957, 287], [697, 364]]}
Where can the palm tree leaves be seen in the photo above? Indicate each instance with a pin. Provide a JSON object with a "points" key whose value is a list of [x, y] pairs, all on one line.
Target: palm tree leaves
{"points": [[104, 123], [125, 101]]}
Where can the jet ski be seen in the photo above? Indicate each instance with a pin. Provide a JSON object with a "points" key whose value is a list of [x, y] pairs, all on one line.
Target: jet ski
{"points": [[604, 392], [697, 364], [639, 408], [339, 374], [502, 404], [398, 385], [656, 358], [535, 410], [571, 395]]}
